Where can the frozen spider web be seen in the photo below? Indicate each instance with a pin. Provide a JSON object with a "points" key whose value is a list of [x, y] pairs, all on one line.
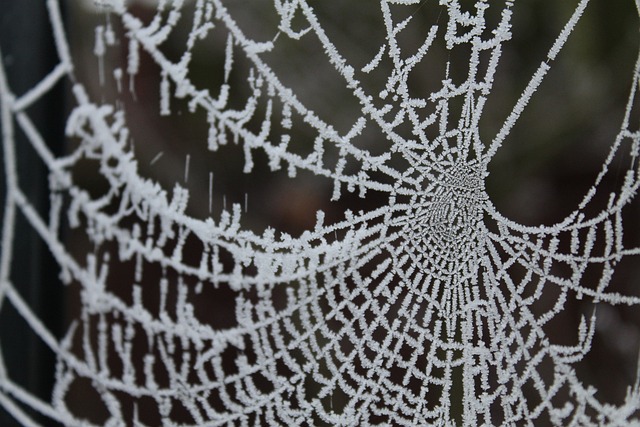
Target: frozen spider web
{"points": [[420, 310]]}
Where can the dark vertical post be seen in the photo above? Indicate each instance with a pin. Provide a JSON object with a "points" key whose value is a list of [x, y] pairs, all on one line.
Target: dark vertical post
{"points": [[28, 54]]}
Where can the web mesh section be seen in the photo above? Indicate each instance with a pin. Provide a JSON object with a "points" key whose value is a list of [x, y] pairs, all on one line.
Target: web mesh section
{"points": [[404, 298]]}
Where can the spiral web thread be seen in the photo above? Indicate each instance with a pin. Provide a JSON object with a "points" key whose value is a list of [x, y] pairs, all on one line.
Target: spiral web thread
{"points": [[405, 314]]}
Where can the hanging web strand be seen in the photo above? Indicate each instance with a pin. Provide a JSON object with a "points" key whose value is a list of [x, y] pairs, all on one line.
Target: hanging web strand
{"points": [[426, 307]]}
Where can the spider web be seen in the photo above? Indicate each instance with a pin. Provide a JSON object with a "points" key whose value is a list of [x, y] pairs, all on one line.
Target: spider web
{"points": [[421, 308]]}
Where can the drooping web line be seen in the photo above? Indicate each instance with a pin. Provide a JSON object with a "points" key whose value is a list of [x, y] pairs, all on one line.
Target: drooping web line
{"points": [[408, 313]]}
